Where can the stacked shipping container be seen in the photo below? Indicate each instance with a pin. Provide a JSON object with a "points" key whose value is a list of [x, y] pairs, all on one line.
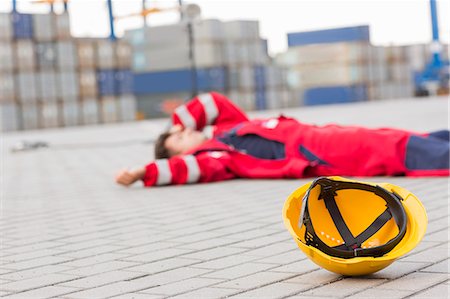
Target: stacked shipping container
{"points": [[49, 79]]}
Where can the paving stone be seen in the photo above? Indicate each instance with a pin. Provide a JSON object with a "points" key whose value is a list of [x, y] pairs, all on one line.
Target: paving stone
{"points": [[377, 292], [441, 267], [183, 286], [415, 281], [275, 290], [239, 270], [37, 282], [45, 292], [438, 291], [255, 280], [344, 287]]}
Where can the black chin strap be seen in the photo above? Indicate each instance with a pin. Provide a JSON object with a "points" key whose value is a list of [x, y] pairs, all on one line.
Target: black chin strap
{"points": [[352, 245]]}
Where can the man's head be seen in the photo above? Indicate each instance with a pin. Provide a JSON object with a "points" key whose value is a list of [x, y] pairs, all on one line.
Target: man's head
{"points": [[177, 141]]}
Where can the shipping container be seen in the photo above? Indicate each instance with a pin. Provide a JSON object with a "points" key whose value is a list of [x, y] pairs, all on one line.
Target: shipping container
{"points": [[26, 87], [47, 86], [241, 30], [28, 116], [44, 27], [68, 85], [63, 26], [48, 115], [335, 94], [242, 77], [7, 87], [124, 82], [70, 112], [6, 31], [46, 55], [66, 55], [124, 54], [86, 54], [106, 82], [160, 105], [6, 57], [127, 107], [158, 36], [22, 26], [106, 54], [25, 55], [108, 109], [89, 111], [9, 117], [346, 34], [88, 83]]}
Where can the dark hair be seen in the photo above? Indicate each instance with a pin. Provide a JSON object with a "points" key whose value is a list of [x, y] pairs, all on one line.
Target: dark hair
{"points": [[161, 151]]}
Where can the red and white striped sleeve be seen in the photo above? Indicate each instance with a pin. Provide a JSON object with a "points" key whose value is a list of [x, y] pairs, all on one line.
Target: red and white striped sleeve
{"points": [[208, 109], [188, 169]]}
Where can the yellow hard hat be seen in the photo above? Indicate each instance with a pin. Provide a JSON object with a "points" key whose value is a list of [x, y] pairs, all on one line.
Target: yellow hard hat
{"points": [[354, 228]]}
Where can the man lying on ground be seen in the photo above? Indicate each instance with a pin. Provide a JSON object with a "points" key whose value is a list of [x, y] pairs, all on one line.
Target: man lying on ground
{"points": [[213, 140]]}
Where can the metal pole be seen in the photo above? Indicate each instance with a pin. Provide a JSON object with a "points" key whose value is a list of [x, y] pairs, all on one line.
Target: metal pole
{"points": [[192, 60], [180, 3], [144, 7], [65, 6], [112, 35], [435, 45], [14, 5]]}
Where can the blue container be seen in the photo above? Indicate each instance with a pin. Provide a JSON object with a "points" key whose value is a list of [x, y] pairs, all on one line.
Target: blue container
{"points": [[22, 26], [178, 81], [260, 99], [124, 81], [106, 82], [335, 94], [259, 75], [346, 34]]}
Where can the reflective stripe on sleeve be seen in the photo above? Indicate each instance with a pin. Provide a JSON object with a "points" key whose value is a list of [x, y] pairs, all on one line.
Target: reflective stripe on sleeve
{"points": [[185, 117], [164, 173], [208, 131], [209, 105], [193, 170]]}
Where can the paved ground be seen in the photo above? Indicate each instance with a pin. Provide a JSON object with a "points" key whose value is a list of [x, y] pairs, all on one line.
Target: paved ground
{"points": [[67, 231]]}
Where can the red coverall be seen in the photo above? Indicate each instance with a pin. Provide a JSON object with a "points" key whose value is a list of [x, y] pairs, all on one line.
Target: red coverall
{"points": [[310, 150]]}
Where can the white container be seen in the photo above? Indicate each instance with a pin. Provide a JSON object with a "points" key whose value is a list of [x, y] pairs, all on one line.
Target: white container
{"points": [[25, 55], [63, 26], [106, 54], [88, 83], [258, 52], [108, 109], [48, 115], [28, 116], [245, 99], [26, 87], [241, 30], [124, 53], [47, 86], [89, 111], [237, 53], [417, 56], [66, 55], [86, 52], [158, 36], [44, 27], [70, 113], [208, 30], [127, 108], [6, 57], [378, 72], [9, 120], [6, 30], [68, 85], [241, 77], [7, 87], [399, 72]]}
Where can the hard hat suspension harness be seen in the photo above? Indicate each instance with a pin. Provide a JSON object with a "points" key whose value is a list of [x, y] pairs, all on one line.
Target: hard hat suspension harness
{"points": [[352, 246]]}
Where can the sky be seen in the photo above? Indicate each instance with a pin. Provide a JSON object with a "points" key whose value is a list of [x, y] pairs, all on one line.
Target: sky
{"points": [[392, 22]]}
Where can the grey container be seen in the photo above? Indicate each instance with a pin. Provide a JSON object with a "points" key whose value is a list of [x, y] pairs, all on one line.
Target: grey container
{"points": [[68, 85], [63, 26], [124, 53], [28, 116], [89, 110], [46, 55], [108, 109], [106, 54], [47, 86], [25, 55], [7, 87], [6, 31], [127, 108], [70, 113], [6, 57], [66, 55], [49, 115], [26, 87], [44, 27], [9, 120]]}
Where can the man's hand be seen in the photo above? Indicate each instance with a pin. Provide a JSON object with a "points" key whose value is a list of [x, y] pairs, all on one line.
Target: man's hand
{"points": [[127, 177]]}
